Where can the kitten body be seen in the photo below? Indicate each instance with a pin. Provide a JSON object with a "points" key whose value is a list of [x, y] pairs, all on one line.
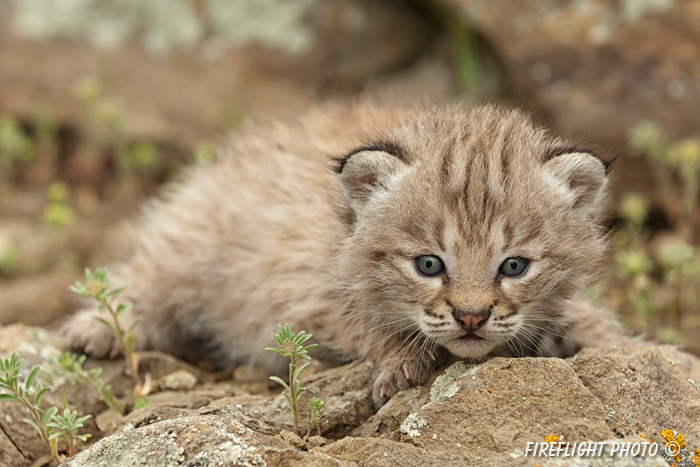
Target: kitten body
{"points": [[278, 232]]}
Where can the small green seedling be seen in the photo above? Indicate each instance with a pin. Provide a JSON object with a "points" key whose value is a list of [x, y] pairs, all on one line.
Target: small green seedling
{"points": [[315, 415], [73, 366], [57, 213], [14, 145], [290, 345], [48, 425], [98, 287], [141, 402], [66, 426]]}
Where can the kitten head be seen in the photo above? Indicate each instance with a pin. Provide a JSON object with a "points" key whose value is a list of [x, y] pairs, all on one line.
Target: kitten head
{"points": [[472, 228]]}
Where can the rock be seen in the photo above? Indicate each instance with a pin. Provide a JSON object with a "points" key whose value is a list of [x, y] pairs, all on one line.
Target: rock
{"points": [[159, 364], [294, 51], [22, 436], [393, 413], [10, 456], [198, 440], [597, 67], [382, 452], [483, 414], [36, 300], [614, 462], [152, 414], [180, 379], [109, 421], [292, 438], [12, 336], [607, 460], [497, 407], [186, 400], [316, 442], [646, 390], [249, 374], [345, 391]]}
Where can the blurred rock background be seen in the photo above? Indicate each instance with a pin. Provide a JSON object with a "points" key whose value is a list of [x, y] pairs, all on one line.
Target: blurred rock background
{"points": [[103, 102]]}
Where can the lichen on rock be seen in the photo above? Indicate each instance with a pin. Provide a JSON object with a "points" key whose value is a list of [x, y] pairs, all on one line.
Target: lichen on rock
{"points": [[445, 384], [413, 424]]}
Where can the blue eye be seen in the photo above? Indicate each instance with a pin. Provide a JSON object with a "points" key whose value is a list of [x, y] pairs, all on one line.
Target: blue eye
{"points": [[429, 265], [513, 267]]}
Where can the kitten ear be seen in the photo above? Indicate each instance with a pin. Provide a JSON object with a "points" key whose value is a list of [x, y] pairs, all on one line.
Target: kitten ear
{"points": [[583, 173], [365, 171]]}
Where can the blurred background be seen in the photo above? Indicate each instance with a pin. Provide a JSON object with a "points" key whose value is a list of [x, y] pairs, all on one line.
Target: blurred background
{"points": [[103, 102]]}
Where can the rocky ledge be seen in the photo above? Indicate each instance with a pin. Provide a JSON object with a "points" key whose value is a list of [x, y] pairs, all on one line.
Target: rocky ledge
{"points": [[483, 414]]}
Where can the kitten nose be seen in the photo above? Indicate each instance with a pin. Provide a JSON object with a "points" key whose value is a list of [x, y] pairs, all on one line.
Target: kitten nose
{"points": [[472, 320]]}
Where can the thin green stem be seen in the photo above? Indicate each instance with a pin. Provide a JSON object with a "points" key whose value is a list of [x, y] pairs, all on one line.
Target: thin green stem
{"points": [[292, 392], [42, 431], [127, 355]]}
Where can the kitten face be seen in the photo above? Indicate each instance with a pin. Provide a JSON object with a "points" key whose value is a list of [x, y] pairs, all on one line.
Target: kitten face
{"points": [[472, 229]]}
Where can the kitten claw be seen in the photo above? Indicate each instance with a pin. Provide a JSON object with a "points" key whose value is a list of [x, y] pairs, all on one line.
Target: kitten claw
{"points": [[407, 372], [431, 355], [385, 390]]}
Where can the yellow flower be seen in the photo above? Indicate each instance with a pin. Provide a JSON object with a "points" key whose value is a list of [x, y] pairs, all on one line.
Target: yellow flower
{"points": [[680, 439], [667, 435]]}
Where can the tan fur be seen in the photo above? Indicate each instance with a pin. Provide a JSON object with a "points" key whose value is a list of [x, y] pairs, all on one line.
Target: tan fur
{"points": [[276, 232]]}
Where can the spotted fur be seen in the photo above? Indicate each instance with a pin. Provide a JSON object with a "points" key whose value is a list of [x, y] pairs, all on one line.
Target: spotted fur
{"points": [[316, 221]]}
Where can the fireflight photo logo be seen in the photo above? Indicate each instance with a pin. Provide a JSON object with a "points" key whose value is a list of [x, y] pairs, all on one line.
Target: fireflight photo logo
{"points": [[594, 449], [600, 449], [673, 448]]}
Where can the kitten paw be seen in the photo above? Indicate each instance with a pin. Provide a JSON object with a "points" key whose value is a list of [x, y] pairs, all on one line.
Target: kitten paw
{"points": [[397, 374], [84, 333]]}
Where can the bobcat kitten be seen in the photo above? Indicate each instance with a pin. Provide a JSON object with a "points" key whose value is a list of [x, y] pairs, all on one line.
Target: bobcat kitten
{"points": [[439, 231]]}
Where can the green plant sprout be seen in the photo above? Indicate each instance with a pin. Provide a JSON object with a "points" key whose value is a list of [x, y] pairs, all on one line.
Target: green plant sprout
{"points": [[315, 415], [48, 425], [46, 148], [73, 366], [8, 260], [141, 402], [634, 209], [648, 138], [10, 381], [681, 272], [105, 131], [57, 213], [665, 280], [139, 157], [290, 345], [14, 143], [98, 288], [685, 157], [466, 57], [680, 160], [205, 154], [66, 426]]}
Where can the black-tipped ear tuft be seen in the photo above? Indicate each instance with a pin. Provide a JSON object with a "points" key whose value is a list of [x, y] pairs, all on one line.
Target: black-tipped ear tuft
{"points": [[388, 147], [557, 151], [367, 169], [583, 173]]}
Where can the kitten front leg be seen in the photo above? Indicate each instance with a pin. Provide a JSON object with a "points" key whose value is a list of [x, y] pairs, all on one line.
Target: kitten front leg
{"points": [[594, 327], [86, 334], [406, 368]]}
